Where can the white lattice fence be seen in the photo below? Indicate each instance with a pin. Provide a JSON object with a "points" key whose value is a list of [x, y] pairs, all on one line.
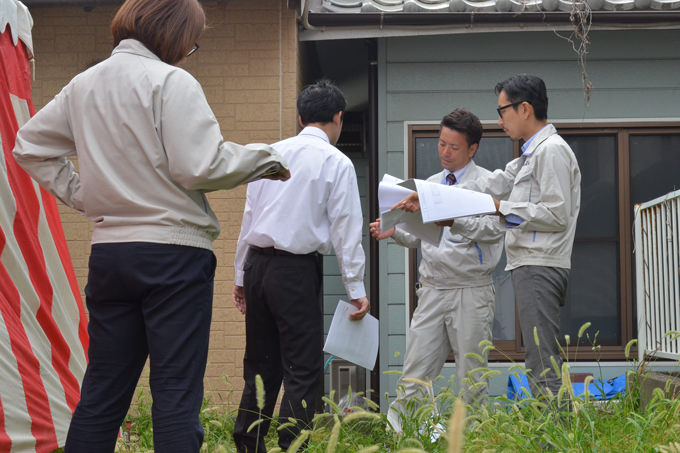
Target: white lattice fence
{"points": [[657, 268]]}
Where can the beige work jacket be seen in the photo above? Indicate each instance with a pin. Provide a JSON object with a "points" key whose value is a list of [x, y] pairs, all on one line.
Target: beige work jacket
{"points": [[148, 148]]}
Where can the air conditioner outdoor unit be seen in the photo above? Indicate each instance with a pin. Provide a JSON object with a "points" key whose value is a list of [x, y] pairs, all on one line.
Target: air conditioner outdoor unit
{"points": [[346, 375]]}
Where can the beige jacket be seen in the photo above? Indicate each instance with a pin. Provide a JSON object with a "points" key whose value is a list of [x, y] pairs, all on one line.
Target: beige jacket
{"points": [[148, 148], [459, 262], [543, 188]]}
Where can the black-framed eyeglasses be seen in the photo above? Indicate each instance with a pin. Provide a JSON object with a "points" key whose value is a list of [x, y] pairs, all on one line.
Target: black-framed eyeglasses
{"points": [[500, 109], [193, 49]]}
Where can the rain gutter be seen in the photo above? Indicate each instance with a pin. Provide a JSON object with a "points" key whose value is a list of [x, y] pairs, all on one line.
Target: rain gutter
{"points": [[450, 18]]}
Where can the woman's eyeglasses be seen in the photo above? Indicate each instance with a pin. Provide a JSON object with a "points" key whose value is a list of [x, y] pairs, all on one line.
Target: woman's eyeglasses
{"points": [[193, 49]]}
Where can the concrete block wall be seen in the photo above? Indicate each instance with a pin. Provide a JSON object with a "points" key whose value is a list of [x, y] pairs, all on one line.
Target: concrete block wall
{"points": [[248, 66]]}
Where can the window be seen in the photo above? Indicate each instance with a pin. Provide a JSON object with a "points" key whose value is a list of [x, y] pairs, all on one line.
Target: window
{"points": [[621, 164]]}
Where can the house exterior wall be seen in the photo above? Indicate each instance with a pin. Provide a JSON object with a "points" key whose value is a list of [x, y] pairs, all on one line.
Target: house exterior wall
{"points": [[248, 67], [633, 72]]}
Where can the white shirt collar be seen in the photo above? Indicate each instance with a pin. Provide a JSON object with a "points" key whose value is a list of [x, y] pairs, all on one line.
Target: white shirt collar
{"points": [[315, 132]]}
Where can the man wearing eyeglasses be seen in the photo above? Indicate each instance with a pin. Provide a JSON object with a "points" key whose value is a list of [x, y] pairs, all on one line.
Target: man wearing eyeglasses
{"points": [[538, 196]]}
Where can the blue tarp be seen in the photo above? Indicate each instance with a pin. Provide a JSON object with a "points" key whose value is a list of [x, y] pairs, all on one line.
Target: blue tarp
{"points": [[518, 387]]}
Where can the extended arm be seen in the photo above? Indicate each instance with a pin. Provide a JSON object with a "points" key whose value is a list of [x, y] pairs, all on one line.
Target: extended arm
{"points": [[483, 229], [550, 212], [497, 184], [198, 156]]}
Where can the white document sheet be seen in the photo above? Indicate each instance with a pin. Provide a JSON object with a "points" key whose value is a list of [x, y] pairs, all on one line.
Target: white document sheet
{"points": [[442, 202], [390, 192], [354, 341]]}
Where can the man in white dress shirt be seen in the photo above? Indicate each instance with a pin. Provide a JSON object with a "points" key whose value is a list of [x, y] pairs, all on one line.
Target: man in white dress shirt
{"points": [[278, 280], [456, 294]]}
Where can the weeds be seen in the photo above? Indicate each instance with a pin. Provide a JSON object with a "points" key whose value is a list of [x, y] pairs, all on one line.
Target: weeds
{"points": [[440, 422], [501, 425]]}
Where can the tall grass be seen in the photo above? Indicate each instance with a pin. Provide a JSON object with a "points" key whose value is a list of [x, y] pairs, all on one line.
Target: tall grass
{"points": [[440, 422], [503, 425]]}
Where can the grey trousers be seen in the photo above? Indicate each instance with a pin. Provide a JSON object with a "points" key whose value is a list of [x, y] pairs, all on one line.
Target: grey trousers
{"points": [[539, 293], [446, 320]]}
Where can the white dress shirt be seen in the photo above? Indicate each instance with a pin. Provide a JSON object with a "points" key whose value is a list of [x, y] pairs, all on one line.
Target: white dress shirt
{"points": [[317, 209]]}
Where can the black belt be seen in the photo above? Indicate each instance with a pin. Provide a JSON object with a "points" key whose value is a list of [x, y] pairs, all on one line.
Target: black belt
{"points": [[274, 251], [269, 251]]}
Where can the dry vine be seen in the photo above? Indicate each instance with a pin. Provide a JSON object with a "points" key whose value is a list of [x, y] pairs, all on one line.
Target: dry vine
{"points": [[581, 17]]}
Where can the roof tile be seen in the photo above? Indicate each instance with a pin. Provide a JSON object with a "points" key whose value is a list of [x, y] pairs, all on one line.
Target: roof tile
{"points": [[415, 6]]}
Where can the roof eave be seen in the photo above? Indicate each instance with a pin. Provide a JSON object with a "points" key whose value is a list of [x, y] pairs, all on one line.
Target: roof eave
{"points": [[402, 19]]}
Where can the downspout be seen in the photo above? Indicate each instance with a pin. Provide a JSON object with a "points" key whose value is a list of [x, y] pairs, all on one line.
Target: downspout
{"points": [[305, 16], [373, 213]]}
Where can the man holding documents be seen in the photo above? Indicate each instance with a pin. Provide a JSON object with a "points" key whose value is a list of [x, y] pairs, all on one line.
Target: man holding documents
{"points": [[455, 295], [278, 267], [541, 194]]}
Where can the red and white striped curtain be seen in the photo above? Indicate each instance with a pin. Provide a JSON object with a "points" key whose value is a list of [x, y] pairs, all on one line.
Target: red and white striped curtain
{"points": [[43, 326]]}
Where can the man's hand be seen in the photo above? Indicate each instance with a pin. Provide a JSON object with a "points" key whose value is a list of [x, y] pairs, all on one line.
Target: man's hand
{"points": [[444, 223], [283, 175], [409, 204], [377, 233], [363, 307], [239, 298], [497, 203]]}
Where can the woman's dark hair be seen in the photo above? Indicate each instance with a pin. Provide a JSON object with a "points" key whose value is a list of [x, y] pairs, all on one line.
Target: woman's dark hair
{"points": [[529, 88], [319, 102], [465, 122], [168, 28]]}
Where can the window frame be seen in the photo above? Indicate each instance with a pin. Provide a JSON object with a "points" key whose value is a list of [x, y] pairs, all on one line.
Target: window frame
{"points": [[623, 130]]}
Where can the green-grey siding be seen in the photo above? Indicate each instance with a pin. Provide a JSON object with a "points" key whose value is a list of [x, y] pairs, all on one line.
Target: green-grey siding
{"points": [[634, 75]]}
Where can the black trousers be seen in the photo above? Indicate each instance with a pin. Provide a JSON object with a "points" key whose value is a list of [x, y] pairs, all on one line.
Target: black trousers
{"points": [[284, 336], [144, 300]]}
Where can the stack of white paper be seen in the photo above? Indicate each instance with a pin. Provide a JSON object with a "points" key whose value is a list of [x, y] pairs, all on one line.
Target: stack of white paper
{"points": [[437, 202], [354, 341], [391, 192]]}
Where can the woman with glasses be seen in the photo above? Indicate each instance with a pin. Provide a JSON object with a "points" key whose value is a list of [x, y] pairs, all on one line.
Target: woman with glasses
{"points": [[148, 149]]}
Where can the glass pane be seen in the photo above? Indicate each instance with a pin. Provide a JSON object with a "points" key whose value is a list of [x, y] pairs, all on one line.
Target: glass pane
{"points": [[427, 157], [493, 153], [593, 293], [596, 155], [654, 164]]}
